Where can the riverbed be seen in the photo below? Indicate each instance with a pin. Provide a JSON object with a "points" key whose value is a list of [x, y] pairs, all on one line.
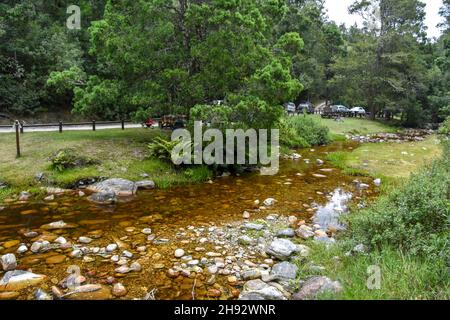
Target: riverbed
{"points": [[203, 220]]}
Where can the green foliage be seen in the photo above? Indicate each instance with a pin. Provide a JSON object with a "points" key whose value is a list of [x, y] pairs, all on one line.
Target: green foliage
{"points": [[161, 148], [67, 159], [413, 217], [302, 132]]}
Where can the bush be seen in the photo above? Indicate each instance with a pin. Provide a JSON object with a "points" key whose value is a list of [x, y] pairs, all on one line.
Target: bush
{"points": [[67, 159], [302, 132], [161, 148], [412, 218]]}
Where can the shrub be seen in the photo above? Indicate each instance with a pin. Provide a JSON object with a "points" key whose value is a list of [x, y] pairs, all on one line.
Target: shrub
{"points": [[68, 158], [161, 148], [412, 218], [302, 132]]}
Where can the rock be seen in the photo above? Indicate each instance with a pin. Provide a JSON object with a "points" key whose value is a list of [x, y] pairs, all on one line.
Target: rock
{"points": [[127, 254], [246, 215], [9, 262], [41, 295], [325, 240], [84, 240], [269, 202], [360, 248], [22, 249], [377, 182], [146, 231], [304, 232], [9, 295], [319, 162], [50, 198], [111, 247], [89, 292], [36, 247], [320, 233], [259, 290], [145, 184], [179, 253], [284, 271], [253, 226], [317, 285], [24, 196], [58, 225], [10, 244], [77, 253], [232, 279], [55, 259], [318, 175], [18, 279], [281, 249], [251, 274], [245, 240], [117, 187], [61, 240], [296, 156], [136, 267], [119, 290], [214, 293], [212, 269], [286, 233], [81, 194], [122, 269], [103, 198]]}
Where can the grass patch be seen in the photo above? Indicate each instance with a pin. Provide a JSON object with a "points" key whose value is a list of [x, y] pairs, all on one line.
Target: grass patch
{"points": [[391, 161], [403, 276], [120, 154], [355, 126]]}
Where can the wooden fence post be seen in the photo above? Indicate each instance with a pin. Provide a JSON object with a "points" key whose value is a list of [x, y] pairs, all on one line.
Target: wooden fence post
{"points": [[93, 125], [17, 138], [60, 127], [123, 124]]}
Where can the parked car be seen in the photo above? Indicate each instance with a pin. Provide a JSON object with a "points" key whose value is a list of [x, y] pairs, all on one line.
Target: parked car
{"points": [[343, 110], [358, 111], [305, 106], [290, 107]]}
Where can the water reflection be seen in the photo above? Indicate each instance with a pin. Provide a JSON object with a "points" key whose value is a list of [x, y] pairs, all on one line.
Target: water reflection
{"points": [[328, 215]]}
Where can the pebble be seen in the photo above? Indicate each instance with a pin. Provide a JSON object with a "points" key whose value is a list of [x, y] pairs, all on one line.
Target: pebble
{"points": [[246, 215], [111, 247], [127, 254], [22, 249], [136, 266], [77, 253], [61, 240], [146, 231], [84, 240], [179, 253], [119, 290], [269, 202]]}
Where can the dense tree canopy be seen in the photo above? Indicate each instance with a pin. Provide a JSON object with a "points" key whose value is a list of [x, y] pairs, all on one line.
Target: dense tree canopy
{"points": [[152, 57]]}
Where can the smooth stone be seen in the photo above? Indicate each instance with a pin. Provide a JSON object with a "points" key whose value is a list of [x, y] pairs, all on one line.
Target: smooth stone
{"points": [[111, 247], [245, 240], [127, 254], [41, 295], [55, 259], [317, 285], [9, 262], [84, 240], [287, 233], [61, 240], [246, 215], [253, 226], [10, 244], [146, 231], [9, 295], [136, 266], [179, 253], [304, 232], [269, 202], [145, 184], [251, 274], [22, 249], [119, 290], [119, 187], [90, 292], [77, 253], [259, 290], [18, 279], [58, 225]]}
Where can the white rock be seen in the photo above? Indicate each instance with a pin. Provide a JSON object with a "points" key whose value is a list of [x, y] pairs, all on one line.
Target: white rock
{"points": [[147, 231], [61, 240], [85, 240], [111, 247], [9, 262], [179, 253], [22, 249], [269, 202]]}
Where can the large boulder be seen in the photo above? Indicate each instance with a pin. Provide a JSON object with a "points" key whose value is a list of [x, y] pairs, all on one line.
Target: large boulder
{"points": [[283, 249], [18, 279], [259, 290], [120, 187], [315, 286], [284, 271]]}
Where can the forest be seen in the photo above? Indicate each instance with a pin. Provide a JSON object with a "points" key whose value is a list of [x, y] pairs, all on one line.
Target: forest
{"points": [[135, 59]]}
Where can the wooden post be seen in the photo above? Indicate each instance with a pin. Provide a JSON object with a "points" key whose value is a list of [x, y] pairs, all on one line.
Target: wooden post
{"points": [[17, 138], [93, 125], [123, 124], [60, 127]]}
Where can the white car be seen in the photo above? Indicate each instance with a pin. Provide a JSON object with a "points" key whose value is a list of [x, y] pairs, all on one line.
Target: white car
{"points": [[358, 110]]}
